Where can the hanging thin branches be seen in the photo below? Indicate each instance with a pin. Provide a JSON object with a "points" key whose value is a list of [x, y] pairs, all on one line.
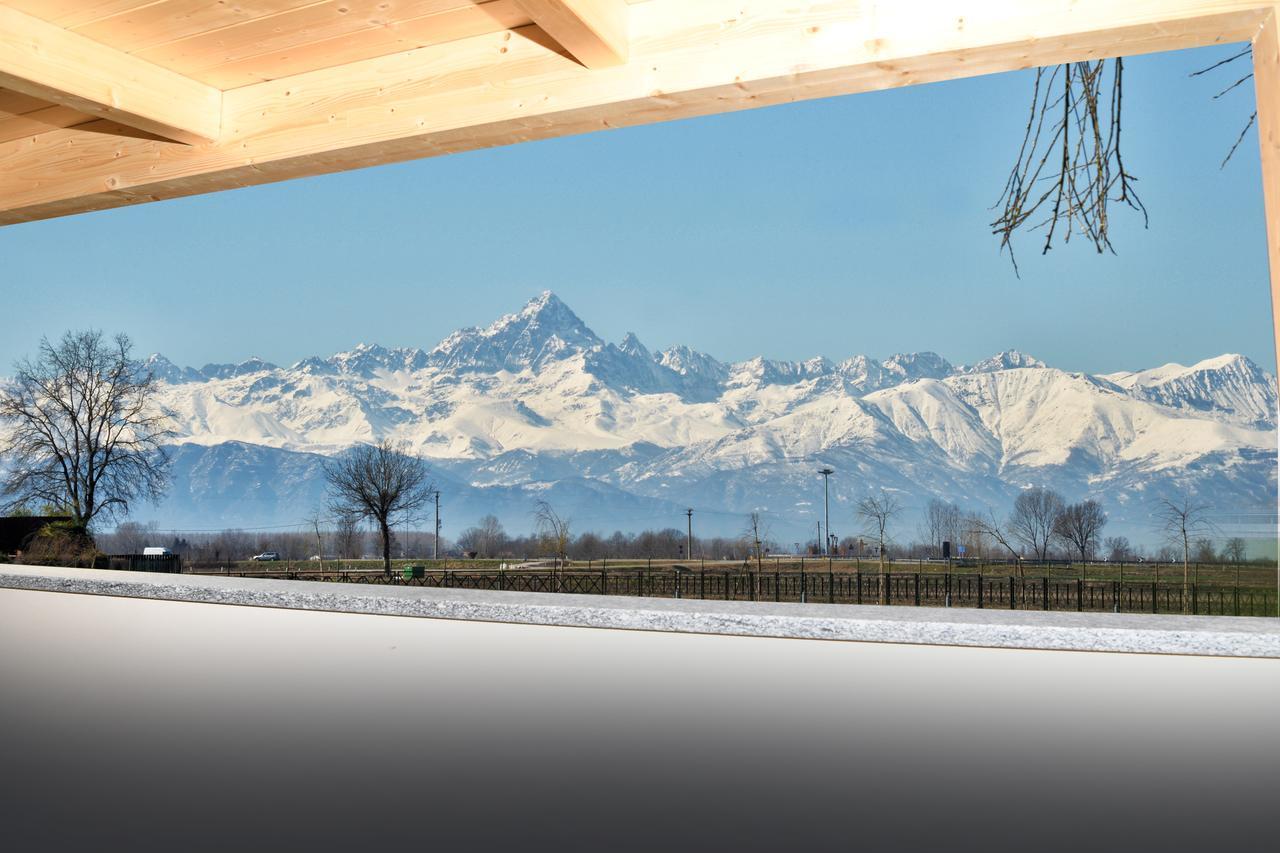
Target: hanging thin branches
{"points": [[1069, 167], [1247, 52]]}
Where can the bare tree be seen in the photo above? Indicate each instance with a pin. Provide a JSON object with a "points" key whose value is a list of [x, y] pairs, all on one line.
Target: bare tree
{"points": [[348, 536], [314, 521], [383, 483], [492, 537], [85, 433], [755, 533], [130, 537], [990, 527], [942, 523], [877, 512], [1079, 526], [1183, 520], [1035, 512], [1234, 550], [552, 529], [1118, 548]]}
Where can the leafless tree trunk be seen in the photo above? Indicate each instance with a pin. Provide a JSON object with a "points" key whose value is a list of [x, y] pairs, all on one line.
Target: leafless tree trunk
{"points": [[1035, 512], [943, 522], [1181, 521], [552, 529], [348, 536], [1079, 525], [85, 434], [755, 535], [877, 511], [989, 526], [383, 483]]}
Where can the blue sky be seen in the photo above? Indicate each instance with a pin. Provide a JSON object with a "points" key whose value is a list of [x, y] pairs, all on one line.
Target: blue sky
{"points": [[833, 227]]}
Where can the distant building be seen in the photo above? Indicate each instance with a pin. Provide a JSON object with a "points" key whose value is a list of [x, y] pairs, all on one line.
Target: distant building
{"points": [[17, 531]]}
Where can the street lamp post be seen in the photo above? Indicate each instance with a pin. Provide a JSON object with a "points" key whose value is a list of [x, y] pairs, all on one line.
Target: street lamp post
{"points": [[689, 515], [826, 505]]}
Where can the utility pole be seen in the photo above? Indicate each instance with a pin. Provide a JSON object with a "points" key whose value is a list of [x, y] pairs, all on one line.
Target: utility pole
{"points": [[435, 541], [826, 505], [689, 515]]}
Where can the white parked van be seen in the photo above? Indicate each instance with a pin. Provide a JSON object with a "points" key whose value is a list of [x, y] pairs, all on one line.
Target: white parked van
{"points": [[156, 552]]}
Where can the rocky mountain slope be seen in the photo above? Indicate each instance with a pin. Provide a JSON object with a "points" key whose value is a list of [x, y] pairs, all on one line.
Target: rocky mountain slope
{"points": [[623, 437]]}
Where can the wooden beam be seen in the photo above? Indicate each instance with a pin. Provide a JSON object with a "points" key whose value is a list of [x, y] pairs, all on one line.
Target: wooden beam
{"points": [[594, 31], [1266, 77], [687, 59], [45, 61]]}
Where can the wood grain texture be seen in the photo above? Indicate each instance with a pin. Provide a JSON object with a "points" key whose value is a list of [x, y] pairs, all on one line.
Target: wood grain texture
{"points": [[297, 32], [687, 59], [45, 61], [593, 31], [395, 37], [1266, 76], [40, 121]]}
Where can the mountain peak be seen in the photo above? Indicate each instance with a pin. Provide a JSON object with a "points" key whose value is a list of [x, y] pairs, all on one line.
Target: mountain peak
{"points": [[631, 346], [253, 364], [918, 365], [365, 359], [544, 330], [165, 370], [1010, 359]]}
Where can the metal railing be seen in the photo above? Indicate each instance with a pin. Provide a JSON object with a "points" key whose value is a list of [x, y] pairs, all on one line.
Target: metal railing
{"points": [[890, 588]]}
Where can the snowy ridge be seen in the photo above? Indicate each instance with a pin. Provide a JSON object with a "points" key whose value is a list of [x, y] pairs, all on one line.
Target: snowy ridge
{"points": [[538, 399]]}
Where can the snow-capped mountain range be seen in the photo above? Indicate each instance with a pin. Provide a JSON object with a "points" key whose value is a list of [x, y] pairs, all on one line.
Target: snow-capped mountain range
{"points": [[625, 438]]}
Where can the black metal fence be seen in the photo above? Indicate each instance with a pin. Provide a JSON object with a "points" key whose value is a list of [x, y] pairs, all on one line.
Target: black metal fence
{"points": [[914, 589], [168, 563]]}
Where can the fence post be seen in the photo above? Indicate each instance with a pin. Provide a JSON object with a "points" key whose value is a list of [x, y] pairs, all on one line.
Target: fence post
{"points": [[980, 603], [777, 590], [1013, 602], [1115, 596], [857, 575], [831, 585], [1153, 596], [1079, 594], [1045, 592], [604, 581], [702, 583], [804, 588], [917, 585]]}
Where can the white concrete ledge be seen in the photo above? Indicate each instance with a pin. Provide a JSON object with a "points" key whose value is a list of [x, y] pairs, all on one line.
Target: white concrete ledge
{"points": [[1225, 636]]}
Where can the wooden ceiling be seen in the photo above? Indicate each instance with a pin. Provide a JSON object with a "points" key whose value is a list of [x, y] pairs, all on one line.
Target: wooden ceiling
{"points": [[113, 102], [232, 43]]}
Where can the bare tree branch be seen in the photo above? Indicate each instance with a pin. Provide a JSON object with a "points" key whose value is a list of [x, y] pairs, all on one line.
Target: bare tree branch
{"points": [[383, 483], [84, 432], [1073, 123]]}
